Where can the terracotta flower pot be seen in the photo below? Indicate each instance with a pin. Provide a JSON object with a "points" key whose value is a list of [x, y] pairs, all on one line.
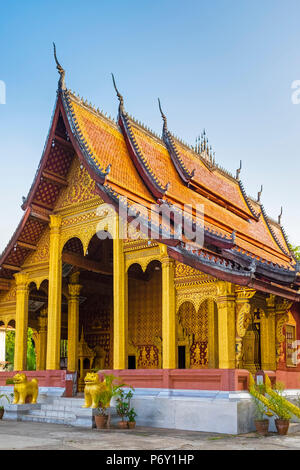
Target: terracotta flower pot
{"points": [[262, 426], [282, 426], [1, 413], [100, 421], [122, 425], [131, 424]]}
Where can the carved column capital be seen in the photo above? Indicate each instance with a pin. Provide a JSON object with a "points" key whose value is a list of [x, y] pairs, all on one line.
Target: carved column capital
{"points": [[55, 222], [167, 261], [244, 294], [21, 280], [74, 290], [225, 289], [282, 306], [270, 301]]}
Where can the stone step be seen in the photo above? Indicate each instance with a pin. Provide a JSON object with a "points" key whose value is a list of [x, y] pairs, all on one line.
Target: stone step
{"points": [[294, 427], [51, 414], [37, 413], [47, 419], [57, 410]]}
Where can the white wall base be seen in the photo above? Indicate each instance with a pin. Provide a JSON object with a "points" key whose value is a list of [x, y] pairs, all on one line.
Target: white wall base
{"points": [[206, 411]]}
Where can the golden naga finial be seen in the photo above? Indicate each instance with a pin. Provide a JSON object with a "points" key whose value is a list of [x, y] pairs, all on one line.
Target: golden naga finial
{"points": [[238, 171], [61, 71], [120, 97], [162, 115], [259, 193], [279, 217]]}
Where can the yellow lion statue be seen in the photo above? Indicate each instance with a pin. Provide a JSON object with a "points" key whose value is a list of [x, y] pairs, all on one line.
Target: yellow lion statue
{"points": [[93, 388], [24, 391]]}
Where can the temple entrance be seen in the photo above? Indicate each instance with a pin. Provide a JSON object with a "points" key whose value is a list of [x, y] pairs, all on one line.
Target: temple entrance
{"points": [[37, 326], [252, 344], [145, 316], [90, 279], [197, 335]]}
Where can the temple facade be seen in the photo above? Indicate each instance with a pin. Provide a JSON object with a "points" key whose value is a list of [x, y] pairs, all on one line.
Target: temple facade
{"points": [[161, 312]]}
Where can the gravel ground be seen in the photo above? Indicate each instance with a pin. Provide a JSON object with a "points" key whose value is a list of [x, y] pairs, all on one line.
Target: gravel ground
{"points": [[42, 436]]}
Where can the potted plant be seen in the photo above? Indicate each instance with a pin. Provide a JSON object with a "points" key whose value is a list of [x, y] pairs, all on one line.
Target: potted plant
{"points": [[123, 407], [282, 421], [261, 407], [101, 417], [112, 389], [261, 410], [8, 398], [131, 418], [261, 423]]}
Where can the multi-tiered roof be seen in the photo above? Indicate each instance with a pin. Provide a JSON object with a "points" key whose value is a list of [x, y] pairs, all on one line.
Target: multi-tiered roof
{"points": [[130, 164]]}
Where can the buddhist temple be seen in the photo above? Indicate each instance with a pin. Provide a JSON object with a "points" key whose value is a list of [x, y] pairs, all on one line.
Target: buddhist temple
{"points": [[176, 320]]}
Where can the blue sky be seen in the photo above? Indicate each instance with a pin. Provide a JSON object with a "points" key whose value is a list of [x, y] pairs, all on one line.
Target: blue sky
{"points": [[226, 65]]}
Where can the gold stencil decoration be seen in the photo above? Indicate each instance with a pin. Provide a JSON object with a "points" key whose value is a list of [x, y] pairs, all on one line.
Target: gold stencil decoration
{"points": [[182, 270], [148, 357], [81, 187], [199, 355], [42, 252], [145, 319], [10, 295], [195, 323]]}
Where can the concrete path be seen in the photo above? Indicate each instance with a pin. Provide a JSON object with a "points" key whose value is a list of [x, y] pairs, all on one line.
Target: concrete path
{"points": [[21, 435]]}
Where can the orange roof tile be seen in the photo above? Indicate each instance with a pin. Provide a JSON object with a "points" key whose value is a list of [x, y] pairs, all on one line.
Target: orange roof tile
{"points": [[108, 146]]}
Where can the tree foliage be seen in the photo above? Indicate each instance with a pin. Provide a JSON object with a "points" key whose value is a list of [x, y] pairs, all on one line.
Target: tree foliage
{"points": [[295, 250], [10, 349]]}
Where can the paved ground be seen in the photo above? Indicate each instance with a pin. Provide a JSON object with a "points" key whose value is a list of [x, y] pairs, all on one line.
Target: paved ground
{"points": [[21, 435]]}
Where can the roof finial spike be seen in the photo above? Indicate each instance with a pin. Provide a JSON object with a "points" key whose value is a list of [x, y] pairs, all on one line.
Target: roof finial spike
{"points": [[120, 97], [259, 193], [61, 71], [279, 217], [163, 116], [238, 171]]}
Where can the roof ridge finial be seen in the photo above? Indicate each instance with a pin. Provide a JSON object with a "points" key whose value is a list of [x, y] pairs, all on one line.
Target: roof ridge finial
{"points": [[280, 215], [61, 71], [163, 116], [120, 97], [238, 171], [259, 194]]}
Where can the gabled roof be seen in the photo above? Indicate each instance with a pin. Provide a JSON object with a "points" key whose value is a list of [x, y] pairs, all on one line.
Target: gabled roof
{"points": [[242, 245]]}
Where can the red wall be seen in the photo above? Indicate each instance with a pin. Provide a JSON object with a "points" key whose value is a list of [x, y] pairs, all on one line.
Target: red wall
{"points": [[46, 378], [187, 379]]}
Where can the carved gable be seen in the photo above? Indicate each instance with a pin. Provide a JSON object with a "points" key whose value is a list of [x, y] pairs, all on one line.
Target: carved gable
{"points": [[42, 253], [81, 187]]}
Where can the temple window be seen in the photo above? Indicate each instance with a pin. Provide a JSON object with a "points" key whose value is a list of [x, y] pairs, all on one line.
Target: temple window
{"points": [[290, 338]]}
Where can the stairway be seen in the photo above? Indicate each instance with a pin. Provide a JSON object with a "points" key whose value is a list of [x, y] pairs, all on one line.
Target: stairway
{"points": [[58, 410]]}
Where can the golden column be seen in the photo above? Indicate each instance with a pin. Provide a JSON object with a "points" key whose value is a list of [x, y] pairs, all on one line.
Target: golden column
{"points": [[226, 325], [22, 296], [168, 312], [73, 322], [120, 294], [268, 335], [243, 320], [213, 350], [54, 295], [42, 340], [282, 307]]}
